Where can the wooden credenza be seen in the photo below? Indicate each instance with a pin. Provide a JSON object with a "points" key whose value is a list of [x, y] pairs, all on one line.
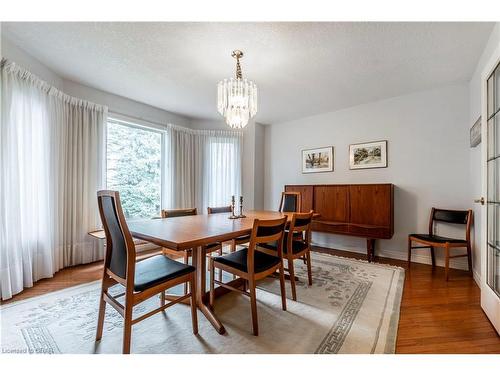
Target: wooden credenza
{"points": [[361, 210]]}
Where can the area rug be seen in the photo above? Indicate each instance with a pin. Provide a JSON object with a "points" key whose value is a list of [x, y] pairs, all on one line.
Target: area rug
{"points": [[352, 307]]}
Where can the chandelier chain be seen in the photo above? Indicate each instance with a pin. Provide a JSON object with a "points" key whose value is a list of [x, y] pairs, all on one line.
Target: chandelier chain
{"points": [[238, 68]]}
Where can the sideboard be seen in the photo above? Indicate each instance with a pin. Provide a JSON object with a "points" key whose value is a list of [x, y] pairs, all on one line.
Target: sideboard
{"points": [[361, 210]]}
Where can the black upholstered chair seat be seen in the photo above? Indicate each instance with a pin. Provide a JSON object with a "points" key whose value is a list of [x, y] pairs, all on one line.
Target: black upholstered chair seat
{"points": [[297, 246], [156, 270], [437, 239], [243, 238], [212, 246], [238, 260]]}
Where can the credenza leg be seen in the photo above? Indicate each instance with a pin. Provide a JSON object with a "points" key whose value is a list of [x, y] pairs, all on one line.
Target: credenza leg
{"points": [[370, 249]]}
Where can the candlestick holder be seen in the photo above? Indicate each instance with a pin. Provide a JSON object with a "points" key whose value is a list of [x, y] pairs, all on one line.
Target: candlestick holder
{"points": [[233, 216], [241, 216]]}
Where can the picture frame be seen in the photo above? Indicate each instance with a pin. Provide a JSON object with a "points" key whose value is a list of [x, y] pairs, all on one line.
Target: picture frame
{"points": [[368, 155], [475, 133], [316, 160]]}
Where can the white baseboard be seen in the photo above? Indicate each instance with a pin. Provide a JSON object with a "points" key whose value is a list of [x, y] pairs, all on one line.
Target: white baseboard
{"points": [[477, 277]]}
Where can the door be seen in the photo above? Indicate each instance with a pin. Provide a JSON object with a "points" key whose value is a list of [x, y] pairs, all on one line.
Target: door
{"points": [[490, 258]]}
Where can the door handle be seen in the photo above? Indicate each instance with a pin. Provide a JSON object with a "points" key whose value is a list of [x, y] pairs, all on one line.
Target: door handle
{"points": [[479, 201]]}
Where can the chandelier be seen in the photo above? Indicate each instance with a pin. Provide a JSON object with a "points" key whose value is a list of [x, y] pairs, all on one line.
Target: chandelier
{"points": [[237, 97]]}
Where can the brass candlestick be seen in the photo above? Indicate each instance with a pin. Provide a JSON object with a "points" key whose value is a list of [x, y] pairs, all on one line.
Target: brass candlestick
{"points": [[233, 204], [241, 208]]}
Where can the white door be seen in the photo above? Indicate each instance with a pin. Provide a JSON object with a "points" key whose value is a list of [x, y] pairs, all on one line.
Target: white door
{"points": [[490, 255]]}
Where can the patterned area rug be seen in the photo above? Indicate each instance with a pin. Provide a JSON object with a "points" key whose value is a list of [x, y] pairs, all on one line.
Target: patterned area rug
{"points": [[352, 307]]}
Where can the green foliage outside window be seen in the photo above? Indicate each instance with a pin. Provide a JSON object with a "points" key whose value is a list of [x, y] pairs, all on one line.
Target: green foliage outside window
{"points": [[134, 168]]}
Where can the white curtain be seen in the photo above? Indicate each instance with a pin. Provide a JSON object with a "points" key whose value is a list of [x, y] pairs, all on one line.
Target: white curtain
{"points": [[51, 164], [221, 167], [203, 167]]}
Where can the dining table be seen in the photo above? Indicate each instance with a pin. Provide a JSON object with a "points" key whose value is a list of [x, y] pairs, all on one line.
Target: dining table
{"points": [[193, 233]]}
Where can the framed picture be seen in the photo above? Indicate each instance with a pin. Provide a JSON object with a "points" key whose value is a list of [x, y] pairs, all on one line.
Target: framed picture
{"points": [[368, 155], [475, 133], [317, 160]]}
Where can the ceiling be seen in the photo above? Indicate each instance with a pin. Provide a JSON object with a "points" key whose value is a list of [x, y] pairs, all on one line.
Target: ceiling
{"points": [[300, 68]]}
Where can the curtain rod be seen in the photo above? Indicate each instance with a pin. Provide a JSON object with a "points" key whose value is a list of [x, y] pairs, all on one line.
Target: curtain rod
{"points": [[111, 113], [180, 127]]}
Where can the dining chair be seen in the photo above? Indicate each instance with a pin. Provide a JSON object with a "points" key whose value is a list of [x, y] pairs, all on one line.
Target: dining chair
{"points": [[178, 212], [291, 201], [432, 240], [235, 241], [296, 245], [141, 279], [252, 265]]}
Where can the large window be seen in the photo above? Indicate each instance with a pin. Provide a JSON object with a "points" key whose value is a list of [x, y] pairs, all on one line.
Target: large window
{"points": [[134, 167]]}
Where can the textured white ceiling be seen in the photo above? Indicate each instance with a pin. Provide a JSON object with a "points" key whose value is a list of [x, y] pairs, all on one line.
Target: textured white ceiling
{"points": [[300, 68]]}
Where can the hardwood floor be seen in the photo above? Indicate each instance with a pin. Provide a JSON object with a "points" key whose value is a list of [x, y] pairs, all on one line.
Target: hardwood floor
{"points": [[436, 316]]}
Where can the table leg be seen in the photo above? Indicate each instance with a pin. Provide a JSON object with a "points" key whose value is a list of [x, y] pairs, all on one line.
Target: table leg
{"points": [[200, 262]]}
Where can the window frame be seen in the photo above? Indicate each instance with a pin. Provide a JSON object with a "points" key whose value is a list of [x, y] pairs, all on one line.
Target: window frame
{"points": [[142, 125]]}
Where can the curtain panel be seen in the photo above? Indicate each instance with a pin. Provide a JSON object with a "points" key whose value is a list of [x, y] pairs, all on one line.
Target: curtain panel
{"points": [[203, 167], [51, 164]]}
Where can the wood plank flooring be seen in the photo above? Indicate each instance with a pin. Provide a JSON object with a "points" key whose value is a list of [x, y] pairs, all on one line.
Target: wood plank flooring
{"points": [[436, 316]]}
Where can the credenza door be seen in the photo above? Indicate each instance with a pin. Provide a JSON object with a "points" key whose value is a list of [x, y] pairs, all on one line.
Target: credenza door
{"points": [[331, 202], [371, 210]]}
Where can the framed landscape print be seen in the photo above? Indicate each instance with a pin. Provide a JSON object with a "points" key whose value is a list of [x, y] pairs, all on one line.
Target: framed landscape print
{"points": [[317, 160], [475, 133], [368, 155]]}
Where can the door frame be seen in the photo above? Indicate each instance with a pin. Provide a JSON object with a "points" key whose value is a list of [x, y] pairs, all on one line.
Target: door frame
{"points": [[490, 302]]}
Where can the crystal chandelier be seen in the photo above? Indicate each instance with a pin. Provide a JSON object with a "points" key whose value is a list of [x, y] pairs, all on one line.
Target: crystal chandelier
{"points": [[237, 97]]}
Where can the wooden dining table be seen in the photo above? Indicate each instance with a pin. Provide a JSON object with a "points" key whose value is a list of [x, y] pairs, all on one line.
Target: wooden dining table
{"points": [[193, 232]]}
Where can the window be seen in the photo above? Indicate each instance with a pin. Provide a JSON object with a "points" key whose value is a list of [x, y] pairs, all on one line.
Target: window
{"points": [[134, 167]]}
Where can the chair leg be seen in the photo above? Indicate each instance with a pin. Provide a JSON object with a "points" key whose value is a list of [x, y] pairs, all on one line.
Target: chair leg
{"points": [[309, 271], [282, 286], [162, 298], [409, 252], [212, 281], [186, 261], [102, 313], [194, 312], [469, 257], [233, 249], [446, 262], [433, 257], [127, 327], [220, 269], [253, 303], [291, 272]]}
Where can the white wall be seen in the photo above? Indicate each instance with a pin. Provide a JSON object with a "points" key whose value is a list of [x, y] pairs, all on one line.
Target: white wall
{"points": [[428, 159], [124, 106], [475, 167]]}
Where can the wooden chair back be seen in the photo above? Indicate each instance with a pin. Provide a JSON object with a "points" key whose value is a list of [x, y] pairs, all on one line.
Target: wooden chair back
{"points": [[451, 217], [179, 212], [300, 223], [119, 261], [265, 231], [218, 210], [290, 202]]}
